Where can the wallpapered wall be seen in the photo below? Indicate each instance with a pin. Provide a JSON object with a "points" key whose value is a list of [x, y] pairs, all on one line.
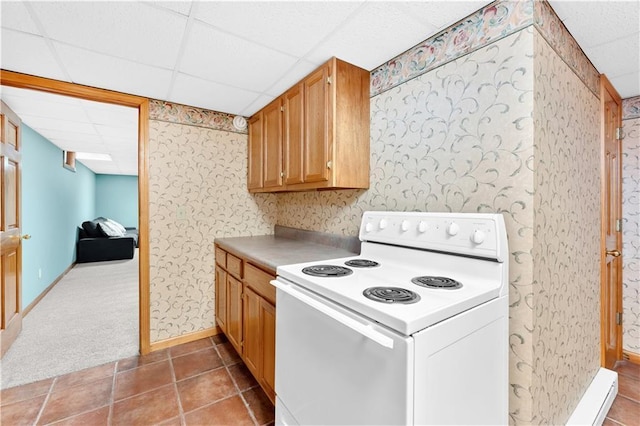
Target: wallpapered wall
{"points": [[566, 248], [460, 139], [197, 177], [631, 234]]}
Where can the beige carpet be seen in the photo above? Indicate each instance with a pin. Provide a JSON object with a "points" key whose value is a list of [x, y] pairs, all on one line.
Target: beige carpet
{"points": [[89, 318]]}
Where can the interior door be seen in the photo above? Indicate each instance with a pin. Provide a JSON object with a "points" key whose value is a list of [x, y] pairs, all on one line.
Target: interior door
{"points": [[611, 286], [10, 235]]}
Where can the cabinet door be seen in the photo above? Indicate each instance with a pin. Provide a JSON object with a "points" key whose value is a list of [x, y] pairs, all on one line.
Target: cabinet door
{"points": [[252, 331], [294, 135], [221, 298], [234, 312], [268, 327], [316, 120], [272, 116], [255, 153]]}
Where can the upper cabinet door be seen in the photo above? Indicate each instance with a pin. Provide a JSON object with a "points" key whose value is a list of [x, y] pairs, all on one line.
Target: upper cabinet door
{"points": [[272, 116], [294, 134], [255, 155], [316, 117]]}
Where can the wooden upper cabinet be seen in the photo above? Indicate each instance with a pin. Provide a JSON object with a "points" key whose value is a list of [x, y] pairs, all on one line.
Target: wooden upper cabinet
{"points": [[272, 136], [323, 132], [294, 134], [255, 154]]}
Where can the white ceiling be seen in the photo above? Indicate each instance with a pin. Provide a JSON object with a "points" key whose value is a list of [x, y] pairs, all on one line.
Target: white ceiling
{"points": [[237, 56]]}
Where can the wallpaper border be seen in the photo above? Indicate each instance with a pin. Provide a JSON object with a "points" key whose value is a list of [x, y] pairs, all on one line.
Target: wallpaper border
{"points": [[631, 108], [184, 114], [489, 24]]}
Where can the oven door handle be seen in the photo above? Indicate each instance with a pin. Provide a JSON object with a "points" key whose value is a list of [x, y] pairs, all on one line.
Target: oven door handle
{"points": [[364, 329]]}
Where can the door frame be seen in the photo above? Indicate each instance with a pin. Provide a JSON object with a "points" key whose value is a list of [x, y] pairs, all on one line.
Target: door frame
{"points": [[25, 81], [605, 314]]}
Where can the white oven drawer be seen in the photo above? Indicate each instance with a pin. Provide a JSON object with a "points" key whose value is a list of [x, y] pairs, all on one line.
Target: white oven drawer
{"points": [[336, 367]]}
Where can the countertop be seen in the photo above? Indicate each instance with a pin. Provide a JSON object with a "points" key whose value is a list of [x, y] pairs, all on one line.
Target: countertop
{"points": [[271, 251]]}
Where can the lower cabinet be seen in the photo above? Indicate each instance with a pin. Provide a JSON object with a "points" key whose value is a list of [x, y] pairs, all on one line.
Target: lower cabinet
{"points": [[246, 313]]}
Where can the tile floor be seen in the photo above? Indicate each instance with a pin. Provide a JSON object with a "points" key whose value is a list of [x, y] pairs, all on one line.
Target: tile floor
{"points": [[198, 383], [626, 407]]}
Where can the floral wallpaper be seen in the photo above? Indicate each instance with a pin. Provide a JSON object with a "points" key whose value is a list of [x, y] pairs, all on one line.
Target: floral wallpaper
{"points": [[197, 181], [459, 139], [631, 230], [566, 247], [489, 24], [182, 114], [631, 108]]}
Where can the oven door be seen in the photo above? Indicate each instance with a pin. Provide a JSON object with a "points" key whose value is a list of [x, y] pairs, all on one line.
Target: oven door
{"points": [[336, 367]]}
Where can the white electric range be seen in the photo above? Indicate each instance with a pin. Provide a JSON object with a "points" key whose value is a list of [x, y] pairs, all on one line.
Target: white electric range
{"points": [[414, 330]]}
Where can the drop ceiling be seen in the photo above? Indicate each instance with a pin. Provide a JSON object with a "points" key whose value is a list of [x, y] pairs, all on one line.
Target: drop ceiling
{"points": [[237, 56]]}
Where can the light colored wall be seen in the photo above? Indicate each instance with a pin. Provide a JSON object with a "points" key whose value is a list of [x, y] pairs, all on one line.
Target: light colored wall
{"points": [[117, 198], [55, 201], [631, 228], [458, 139], [197, 185], [566, 233]]}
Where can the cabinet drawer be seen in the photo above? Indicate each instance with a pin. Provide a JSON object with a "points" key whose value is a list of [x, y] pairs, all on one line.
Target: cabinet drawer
{"points": [[234, 266], [221, 257], [258, 280]]}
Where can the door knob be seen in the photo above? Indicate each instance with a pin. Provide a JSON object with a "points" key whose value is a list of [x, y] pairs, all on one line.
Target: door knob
{"points": [[26, 237], [614, 253]]}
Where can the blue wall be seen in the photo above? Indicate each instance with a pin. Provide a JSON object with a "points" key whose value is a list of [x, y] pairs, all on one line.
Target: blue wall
{"points": [[117, 198], [55, 201]]}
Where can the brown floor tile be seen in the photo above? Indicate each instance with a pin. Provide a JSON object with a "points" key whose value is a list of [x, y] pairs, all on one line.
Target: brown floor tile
{"points": [[137, 361], [231, 411], [74, 400], [28, 391], [205, 388], [99, 417], [629, 387], [142, 379], [176, 421], [148, 408], [219, 338], [85, 376], [186, 348], [625, 411], [242, 376], [260, 405], [195, 363], [628, 369], [609, 422], [22, 412], [228, 353]]}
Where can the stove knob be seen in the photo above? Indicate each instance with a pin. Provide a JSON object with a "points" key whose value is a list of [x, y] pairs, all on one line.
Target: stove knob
{"points": [[453, 229], [404, 226], [383, 223], [368, 227], [477, 237], [422, 227]]}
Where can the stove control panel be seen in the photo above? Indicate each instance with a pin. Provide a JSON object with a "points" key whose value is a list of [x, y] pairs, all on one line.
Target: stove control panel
{"points": [[474, 234]]}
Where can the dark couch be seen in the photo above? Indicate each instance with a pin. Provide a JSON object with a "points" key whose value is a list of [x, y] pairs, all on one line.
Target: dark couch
{"points": [[95, 246]]}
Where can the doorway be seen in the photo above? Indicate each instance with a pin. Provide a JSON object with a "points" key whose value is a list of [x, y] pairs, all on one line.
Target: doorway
{"points": [[8, 78]]}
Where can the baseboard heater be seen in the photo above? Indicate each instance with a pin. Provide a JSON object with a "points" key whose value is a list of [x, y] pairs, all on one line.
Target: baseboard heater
{"points": [[596, 401]]}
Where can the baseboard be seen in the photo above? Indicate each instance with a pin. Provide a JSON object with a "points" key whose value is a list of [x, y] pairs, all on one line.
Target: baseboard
{"points": [[597, 399], [185, 338], [631, 357], [41, 296]]}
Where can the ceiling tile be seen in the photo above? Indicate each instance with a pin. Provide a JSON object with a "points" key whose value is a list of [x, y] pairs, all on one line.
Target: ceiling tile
{"points": [[42, 122], [183, 7], [216, 56], [32, 57], [604, 55], [113, 115], [292, 76], [111, 73], [52, 110], [16, 17], [389, 33], [64, 135], [591, 22], [124, 133], [129, 30], [627, 85], [291, 27], [39, 96], [439, 14], [190, 90], [256, 105]]}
